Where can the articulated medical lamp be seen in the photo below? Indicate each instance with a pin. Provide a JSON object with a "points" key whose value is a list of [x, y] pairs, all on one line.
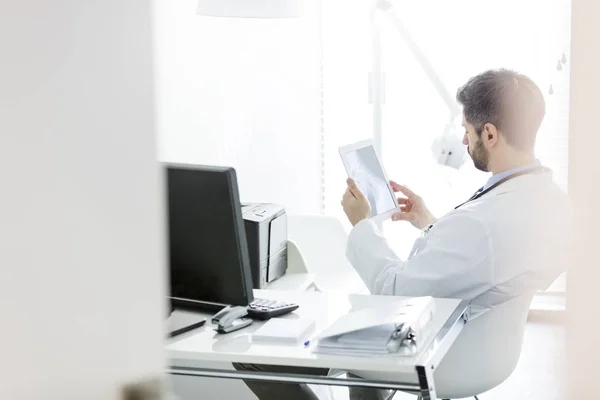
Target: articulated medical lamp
{"points": [[447, 149], [249, 8]]}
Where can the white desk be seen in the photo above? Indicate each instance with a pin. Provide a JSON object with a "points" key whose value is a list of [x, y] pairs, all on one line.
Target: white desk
{"points": [[413, 374]]}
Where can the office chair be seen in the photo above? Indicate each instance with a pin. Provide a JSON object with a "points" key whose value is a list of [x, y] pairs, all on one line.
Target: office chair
{"points": [[483, 356], [321, 241], [485, 353]]}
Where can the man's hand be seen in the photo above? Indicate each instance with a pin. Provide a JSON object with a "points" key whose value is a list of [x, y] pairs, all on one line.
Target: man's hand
{"points": [[355, 204], [412, 208]]}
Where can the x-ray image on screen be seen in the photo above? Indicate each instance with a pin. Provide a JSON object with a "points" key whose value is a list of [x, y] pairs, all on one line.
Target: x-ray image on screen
{"points": [[364, 168]]}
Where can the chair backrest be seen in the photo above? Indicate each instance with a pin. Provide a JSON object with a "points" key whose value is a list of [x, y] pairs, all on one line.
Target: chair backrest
{"points": [[485, 353], [321, 240]]}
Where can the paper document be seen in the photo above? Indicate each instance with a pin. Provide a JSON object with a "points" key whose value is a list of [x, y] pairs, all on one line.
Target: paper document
{"points": [[284, 330], [378, 330]]}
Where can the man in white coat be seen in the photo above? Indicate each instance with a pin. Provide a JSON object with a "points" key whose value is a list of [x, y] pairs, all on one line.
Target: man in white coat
{"points": [[510, 239]]}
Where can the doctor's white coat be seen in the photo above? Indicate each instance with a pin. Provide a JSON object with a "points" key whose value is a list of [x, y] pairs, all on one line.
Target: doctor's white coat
{"points": [[514, 239]]}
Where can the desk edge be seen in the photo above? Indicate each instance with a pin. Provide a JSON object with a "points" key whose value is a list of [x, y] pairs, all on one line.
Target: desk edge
{"points": [[447, 335]]}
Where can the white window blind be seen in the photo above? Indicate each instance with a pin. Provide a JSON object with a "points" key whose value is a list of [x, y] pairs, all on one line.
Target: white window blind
{"points": [[346, 112]]}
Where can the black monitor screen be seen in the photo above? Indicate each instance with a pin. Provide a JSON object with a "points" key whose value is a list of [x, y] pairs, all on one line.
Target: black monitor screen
{"points": [[208, 251]]}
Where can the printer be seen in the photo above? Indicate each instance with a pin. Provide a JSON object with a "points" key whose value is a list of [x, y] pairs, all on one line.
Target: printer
{"points": [[266, 233]]}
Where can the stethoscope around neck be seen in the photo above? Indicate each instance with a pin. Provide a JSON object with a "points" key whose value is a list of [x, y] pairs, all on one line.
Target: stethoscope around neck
{"points": [[530, 171]]}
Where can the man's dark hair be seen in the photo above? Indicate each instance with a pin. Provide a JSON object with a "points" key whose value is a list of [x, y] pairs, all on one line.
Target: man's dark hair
{"points": [[507, 99]]}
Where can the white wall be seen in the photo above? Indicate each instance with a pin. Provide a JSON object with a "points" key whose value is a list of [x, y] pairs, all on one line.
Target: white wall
{"points": [[583, 328], [82, 260], [245, 93]]}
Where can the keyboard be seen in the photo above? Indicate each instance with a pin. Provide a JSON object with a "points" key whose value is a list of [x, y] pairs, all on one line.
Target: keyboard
{"points": [[265, 309]]}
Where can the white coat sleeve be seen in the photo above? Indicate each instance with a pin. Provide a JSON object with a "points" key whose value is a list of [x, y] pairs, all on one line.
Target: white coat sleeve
{"points": [[455, 259]]}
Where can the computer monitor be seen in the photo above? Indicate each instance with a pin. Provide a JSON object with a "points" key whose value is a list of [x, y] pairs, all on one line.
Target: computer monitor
{"points": [[208, 252]]}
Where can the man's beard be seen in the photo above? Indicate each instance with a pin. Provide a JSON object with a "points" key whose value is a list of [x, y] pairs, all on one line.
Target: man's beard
{"points": [[480, 156]]}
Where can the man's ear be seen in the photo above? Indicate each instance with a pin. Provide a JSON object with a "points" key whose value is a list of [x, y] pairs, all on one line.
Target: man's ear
{"points": [[489, 134]]}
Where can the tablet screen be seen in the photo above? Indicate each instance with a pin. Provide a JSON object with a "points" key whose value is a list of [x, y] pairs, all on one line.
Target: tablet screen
{"points": [[363, 166]]}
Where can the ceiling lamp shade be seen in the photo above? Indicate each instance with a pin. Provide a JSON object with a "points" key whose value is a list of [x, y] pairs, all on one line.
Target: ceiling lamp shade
{"points": [[249, 8]]}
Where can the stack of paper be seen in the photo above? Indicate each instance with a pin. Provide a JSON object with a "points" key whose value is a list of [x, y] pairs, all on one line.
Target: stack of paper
{"points": [[284, 330], [382, 330]]}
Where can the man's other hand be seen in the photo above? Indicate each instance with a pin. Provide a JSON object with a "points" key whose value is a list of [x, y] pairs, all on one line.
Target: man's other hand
{"points": [[355, 204], [412, 208]]}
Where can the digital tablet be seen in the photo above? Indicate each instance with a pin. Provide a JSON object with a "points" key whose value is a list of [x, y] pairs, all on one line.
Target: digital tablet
{"points": [[364, 167]]}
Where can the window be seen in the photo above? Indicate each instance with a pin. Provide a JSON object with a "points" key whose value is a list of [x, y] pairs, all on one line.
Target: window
{"points": [[461, 38], [246, 93]]}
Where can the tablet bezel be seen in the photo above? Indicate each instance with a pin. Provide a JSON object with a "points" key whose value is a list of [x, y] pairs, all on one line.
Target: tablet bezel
{"points": [[343, 150]]}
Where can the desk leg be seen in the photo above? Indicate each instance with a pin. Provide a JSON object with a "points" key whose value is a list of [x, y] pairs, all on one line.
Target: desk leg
{"points": [[425, 375], [445, 339]]}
